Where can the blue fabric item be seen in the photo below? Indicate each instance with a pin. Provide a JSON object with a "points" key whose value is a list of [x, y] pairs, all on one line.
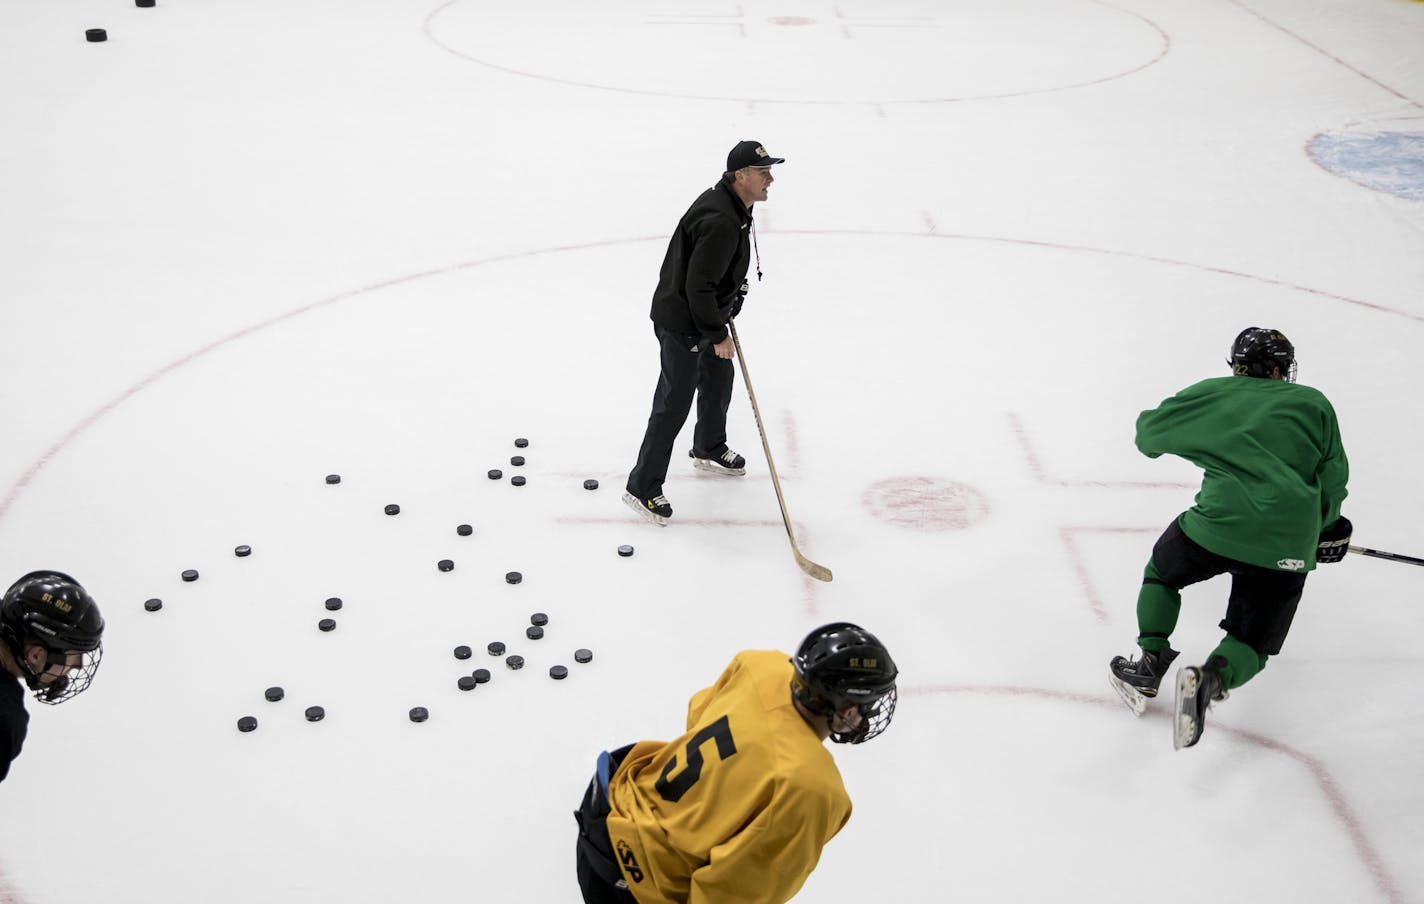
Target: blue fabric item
{"points": [[605, 771]]}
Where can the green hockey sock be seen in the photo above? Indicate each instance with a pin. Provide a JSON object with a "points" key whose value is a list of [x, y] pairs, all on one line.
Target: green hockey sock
{"points": [[1157, 609], [1242, 662]]}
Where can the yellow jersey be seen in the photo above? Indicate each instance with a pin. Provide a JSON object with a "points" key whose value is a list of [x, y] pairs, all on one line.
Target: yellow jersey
{"points": [[739, 807]]}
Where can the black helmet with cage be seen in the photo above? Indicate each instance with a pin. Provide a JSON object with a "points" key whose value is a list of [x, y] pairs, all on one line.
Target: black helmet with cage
{"points": [[842, 664], [51, 609], [1258, 352]]}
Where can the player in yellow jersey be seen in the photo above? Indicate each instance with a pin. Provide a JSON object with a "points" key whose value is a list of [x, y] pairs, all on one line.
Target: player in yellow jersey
{"points": [[739, 807]]}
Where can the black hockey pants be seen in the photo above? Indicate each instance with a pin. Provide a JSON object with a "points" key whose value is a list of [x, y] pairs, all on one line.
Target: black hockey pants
{"points": [[598, 875]]}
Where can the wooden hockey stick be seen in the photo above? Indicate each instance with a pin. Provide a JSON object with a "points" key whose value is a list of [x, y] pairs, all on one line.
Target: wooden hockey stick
{"points": [[819, 572], [1392, 556]]}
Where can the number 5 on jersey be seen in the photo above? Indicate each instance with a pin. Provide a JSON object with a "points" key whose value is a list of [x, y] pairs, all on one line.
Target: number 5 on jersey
{"points": [[672, 788]]}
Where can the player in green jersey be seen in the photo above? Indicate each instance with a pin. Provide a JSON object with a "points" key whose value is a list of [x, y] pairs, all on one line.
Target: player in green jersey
{"points": [[1267, 512]]}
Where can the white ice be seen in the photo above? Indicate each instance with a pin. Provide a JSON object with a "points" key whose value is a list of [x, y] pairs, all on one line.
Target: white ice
{"points": [[248, 243]]}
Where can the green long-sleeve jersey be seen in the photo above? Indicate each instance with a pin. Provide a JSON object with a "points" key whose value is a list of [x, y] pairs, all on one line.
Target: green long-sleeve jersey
{"points": [[1275, 467]]}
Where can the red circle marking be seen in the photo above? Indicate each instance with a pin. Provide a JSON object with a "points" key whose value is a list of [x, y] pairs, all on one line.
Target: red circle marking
{"points": [[925, 503]]}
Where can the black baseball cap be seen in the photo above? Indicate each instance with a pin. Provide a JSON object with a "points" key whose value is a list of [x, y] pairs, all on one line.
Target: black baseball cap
{"points": [[750, 153]]}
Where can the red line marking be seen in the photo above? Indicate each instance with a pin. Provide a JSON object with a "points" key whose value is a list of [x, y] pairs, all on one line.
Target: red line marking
{"points": [[1340, 805], [1035, 467], [1067, 534], [1166, 46], [8, 893]]}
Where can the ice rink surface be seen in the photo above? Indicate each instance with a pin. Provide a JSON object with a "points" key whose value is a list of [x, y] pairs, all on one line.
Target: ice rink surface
{"points": [[248, 244]]}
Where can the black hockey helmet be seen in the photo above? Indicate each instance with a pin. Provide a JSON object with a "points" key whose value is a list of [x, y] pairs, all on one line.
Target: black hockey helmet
{"points": [[842, 664], [1257, 351], [51, 609]]}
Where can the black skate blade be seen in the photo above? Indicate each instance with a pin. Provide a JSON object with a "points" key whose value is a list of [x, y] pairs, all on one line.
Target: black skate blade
{"points": [[712, 467], [1134, 698], [1186, 722], [633, 503]]}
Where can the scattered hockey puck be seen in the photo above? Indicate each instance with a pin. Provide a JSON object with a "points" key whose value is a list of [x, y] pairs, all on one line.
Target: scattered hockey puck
{"points": [[495, 473], [247, 723], [515, 662], [315, 714], [462, 652], [464, 530], [419, 714], [481, 676], [153, 605], [393, 509], [625, 550], [94, 36], [445, 565], [242, 552], [517, 480], [467, 682], [558, 672], [190, 575], [521, 443], [143, 4], [333, 478], [496, 648], [517, 461], [583, 655], [539, 618], [513, 577], [327, 624], [273, 694], [590, 484], [534, 632], [333, 603]]}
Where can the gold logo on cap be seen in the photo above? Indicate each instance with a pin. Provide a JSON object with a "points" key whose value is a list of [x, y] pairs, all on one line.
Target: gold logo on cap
{"points": [[761, 151]]}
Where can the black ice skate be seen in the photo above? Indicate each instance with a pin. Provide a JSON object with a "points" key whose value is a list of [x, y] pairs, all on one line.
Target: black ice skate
{"points": [[724, 462], [1137, 680], [655, 508], [1198, 687]]}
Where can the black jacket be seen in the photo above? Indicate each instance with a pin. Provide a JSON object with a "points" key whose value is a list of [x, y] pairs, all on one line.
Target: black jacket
{"points": [[14, 721], [705, 266]]}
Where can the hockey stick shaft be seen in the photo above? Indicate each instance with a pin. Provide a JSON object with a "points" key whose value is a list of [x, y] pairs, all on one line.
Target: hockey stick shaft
{"points": [[1392, 556], [819, 572]]}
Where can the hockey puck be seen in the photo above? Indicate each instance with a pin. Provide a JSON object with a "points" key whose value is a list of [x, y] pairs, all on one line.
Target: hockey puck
{"points": [[583, 655], [393, 509], [539, 618], [517, 461], [625, 551], [143, 4], [190, 575], [462, 652], [327, 624], [333, 478], [481, 676], [590, 484], [496, 648], [153, 605], [513, 577], [495, 473], [273, 694], [445, 565], [94, 36], [247, 723], [464, 530], [315, 714], [558, 672], [517, 480], [466, 683], [534, 632], [521, 443], [242, 552], [333, 603], [515, 662], [419, 714]]}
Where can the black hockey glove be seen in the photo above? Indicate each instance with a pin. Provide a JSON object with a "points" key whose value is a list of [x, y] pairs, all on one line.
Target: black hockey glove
{"points": [[1334, 541], [740, 297]]}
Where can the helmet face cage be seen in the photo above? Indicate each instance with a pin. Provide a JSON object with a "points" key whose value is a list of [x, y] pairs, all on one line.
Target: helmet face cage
{"points": [[843, 665], [52, 610], [1257, 352]]}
